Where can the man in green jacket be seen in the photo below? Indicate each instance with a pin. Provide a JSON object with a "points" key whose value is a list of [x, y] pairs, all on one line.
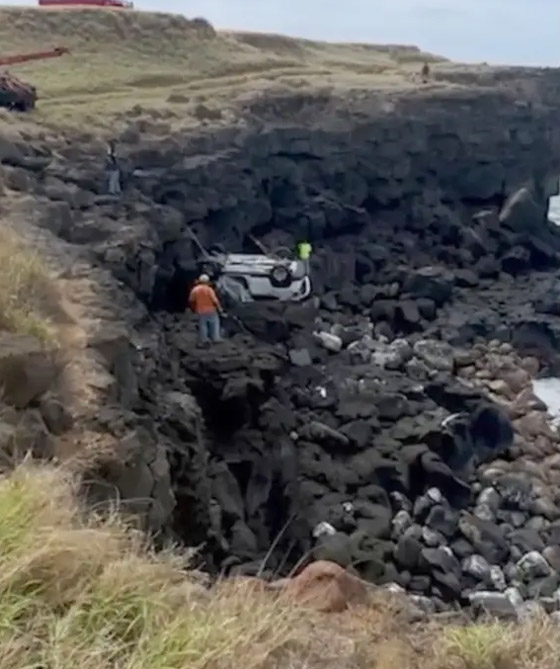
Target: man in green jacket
{"points": [[304, 254]]}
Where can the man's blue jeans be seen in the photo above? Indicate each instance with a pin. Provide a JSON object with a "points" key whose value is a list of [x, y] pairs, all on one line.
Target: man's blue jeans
{"points": [[114, 182], [208, 327]]}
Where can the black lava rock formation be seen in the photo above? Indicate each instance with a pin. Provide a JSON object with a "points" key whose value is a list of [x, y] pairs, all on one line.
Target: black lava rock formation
{"points": [[359, 427]]}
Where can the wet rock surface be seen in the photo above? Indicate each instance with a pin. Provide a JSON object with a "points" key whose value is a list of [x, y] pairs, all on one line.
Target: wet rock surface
{"points": [[389, 422]]}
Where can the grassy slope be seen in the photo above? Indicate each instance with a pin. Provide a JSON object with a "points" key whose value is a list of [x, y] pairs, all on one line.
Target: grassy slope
{"points": [[24, 285], [169, 64]]}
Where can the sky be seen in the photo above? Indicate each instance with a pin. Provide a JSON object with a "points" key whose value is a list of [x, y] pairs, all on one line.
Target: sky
{"points": [[525, 32]]}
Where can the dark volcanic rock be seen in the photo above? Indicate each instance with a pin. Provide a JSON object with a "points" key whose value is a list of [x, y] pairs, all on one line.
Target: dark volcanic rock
{"points": [[391, 406], [523, 212], [384, 310], [526, 540], [488, 267], [487, 538], [325, 435], [443, 519], [373, 519], [433, 283], [407, 316], [27, 369], [409, 547], [439, 559], [516, 260], [359, 432], [466, 278], [312, 415]]}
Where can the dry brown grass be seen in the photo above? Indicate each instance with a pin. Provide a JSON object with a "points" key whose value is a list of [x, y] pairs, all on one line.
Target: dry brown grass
{"points": [[91, 593], [23, 282], [167, 65]]}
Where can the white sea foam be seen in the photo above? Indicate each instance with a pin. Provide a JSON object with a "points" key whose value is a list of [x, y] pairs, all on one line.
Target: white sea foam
{"points": [[554, 211]]}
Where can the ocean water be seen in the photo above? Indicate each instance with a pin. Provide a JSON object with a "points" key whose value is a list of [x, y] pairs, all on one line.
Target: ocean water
{"points": [[554, 211], [548, 391]]}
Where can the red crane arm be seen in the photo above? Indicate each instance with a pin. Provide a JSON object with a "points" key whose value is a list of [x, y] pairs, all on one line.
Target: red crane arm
{"points": [[115, 4], [36, 55]]}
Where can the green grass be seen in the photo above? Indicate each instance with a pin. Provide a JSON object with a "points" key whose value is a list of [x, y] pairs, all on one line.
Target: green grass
{"points": [[23, 284], [491, 645], [167, 65], [478, 646]]}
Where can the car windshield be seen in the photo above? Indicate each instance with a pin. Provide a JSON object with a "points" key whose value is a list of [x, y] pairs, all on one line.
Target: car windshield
{"points": [[254, 261]]}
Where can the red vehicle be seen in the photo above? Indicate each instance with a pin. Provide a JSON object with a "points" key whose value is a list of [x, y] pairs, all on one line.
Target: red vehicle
{"points": [[16, 94], [116, 4]]}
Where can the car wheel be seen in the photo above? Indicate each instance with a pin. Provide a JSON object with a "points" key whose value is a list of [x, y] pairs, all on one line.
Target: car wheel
{"points": [[217, 249], [280, 277], [283, 252]]}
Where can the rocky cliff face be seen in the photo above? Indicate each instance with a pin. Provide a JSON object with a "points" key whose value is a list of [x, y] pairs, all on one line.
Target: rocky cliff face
{"points": [[338, 168], [317, 429]]}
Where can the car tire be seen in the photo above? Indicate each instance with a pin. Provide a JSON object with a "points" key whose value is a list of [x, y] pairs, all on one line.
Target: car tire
{"points": [[217, 249], [283, 252], [280, 277]]}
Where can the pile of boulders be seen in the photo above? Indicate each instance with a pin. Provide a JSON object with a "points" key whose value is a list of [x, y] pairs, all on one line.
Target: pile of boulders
{"points": [[501, 552], [361, 446], [498, 555]]}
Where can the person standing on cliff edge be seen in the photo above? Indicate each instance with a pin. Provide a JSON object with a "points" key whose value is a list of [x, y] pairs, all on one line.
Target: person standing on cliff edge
{"points": [[204, 302], [304, 254], [113, 171]]}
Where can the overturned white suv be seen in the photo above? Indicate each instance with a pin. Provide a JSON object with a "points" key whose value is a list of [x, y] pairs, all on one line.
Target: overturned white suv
{"points": [[247, 277]]}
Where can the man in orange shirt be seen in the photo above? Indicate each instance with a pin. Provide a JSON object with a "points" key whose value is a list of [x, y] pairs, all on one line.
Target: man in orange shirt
{"points": [[205, 303]]}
